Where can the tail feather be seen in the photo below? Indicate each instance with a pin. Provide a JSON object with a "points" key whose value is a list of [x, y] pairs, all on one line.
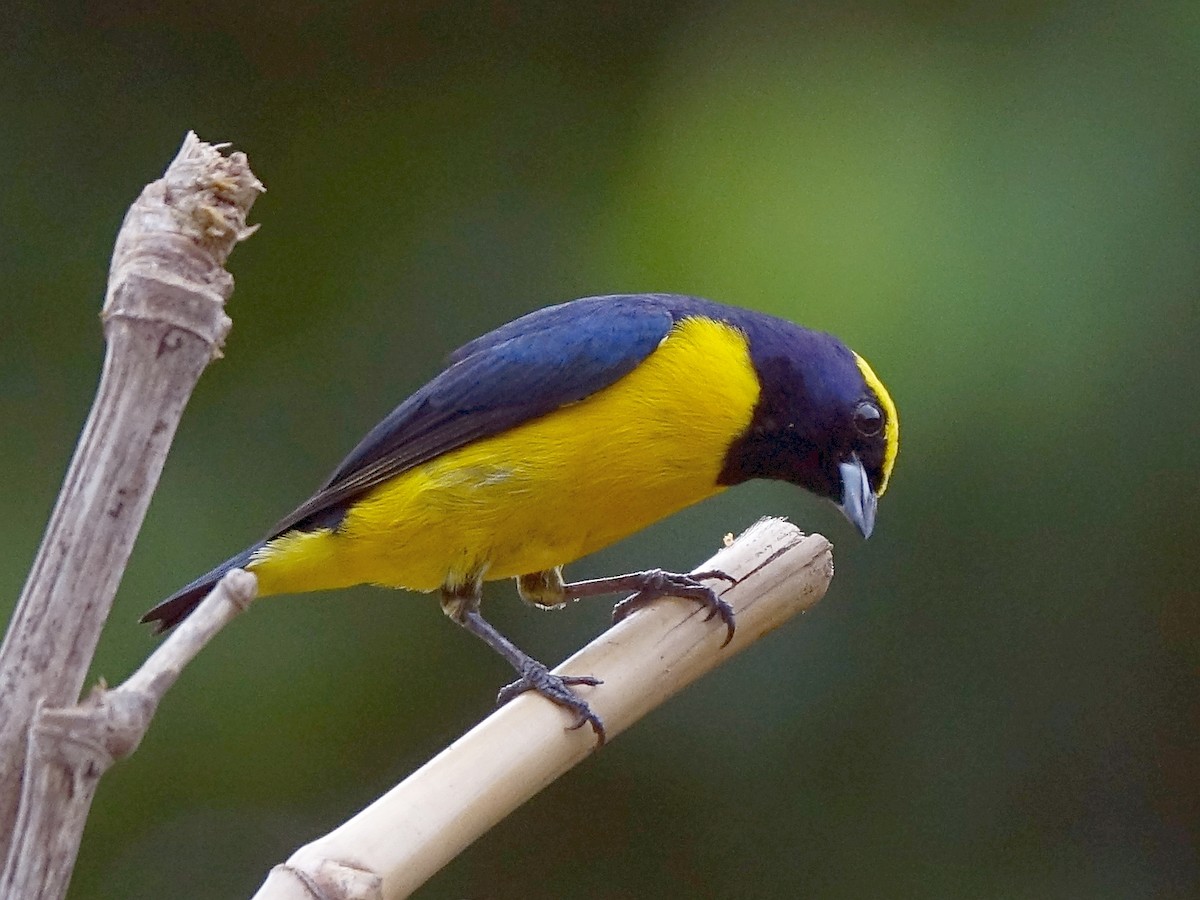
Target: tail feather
{"points": [[179, 605]]}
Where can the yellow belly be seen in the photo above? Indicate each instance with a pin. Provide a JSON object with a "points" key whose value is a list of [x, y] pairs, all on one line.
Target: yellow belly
{"points": [[546, 492]]}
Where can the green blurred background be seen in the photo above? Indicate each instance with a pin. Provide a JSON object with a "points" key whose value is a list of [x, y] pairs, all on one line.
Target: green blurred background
{"points": [[998, 205]]}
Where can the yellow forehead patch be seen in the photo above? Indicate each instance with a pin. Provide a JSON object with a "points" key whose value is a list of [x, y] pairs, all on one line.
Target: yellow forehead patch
{"points": [[891, 430]]}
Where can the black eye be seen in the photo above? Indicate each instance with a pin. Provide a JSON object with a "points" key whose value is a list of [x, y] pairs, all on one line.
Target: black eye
{"points": [[868, 419]]}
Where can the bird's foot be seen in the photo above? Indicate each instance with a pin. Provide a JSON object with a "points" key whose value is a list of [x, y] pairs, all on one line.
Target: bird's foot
{"points": [[556, 689], [655, 583]]}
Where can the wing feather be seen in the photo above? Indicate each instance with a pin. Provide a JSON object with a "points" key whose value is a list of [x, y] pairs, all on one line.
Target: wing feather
{"points": [[520, 371]]}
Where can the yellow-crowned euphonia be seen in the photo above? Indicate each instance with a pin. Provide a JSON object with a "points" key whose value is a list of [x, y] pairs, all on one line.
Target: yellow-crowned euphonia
{"points": [[564, 431]]}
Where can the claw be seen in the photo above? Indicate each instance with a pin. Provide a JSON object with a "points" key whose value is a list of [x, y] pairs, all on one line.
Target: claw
{"points": [[556, 689], [658, 583], [712, 575]]}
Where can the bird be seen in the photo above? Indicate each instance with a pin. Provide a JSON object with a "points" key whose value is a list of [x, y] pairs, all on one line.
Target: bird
{"points": [[564, 431]]}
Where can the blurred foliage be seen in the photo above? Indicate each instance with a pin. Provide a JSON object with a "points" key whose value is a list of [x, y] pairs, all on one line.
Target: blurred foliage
{"points": [[998, 205]]}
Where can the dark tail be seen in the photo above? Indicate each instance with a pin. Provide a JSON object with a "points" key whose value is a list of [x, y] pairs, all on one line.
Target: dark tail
{"points": [[179, 605]]}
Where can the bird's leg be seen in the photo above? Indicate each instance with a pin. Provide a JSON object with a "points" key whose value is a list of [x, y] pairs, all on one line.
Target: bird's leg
{"points": [[461, 603], [543, 589], [547, 589]]}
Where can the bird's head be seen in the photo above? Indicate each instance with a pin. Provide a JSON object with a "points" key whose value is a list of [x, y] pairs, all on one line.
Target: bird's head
{"points": [[823, 421]]}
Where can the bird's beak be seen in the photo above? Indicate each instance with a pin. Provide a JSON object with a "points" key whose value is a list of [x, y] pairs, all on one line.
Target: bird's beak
{"points": [[858, 500]]}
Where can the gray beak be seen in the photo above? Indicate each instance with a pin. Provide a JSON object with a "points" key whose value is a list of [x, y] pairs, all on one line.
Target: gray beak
{"points": [[858, 500]]}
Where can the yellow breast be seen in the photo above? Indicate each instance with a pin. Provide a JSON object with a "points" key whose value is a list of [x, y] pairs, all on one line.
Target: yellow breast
{"points": [[546, 492]]}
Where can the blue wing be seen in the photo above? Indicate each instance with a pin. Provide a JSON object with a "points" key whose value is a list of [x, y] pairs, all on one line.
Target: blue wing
{"points": [[520, 371]]}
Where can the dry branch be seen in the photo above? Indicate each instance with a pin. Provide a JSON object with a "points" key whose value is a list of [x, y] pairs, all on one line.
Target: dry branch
{"points": [[164, 320], [84, 740], [393, 846]]}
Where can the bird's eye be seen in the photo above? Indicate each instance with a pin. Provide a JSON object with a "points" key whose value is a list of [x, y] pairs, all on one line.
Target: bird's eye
{"points": [[868, 419]]}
